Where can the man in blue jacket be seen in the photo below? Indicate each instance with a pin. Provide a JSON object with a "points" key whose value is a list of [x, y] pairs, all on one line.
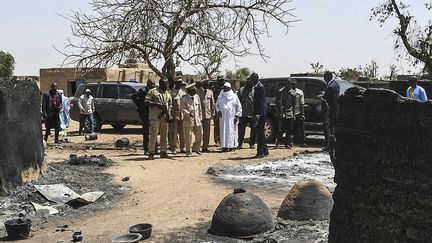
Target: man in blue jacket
{"points": [[331, 96], [51, 106], [260, 112]]}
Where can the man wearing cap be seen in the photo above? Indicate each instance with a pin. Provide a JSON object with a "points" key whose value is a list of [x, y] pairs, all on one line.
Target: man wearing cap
{"points": [[285, 101], [246, 95], [175, 126], [260, 113], [229, 110], [415, 91], [208, 111], [299, 115], [87, 108], [160, 104], [51, 106], [191, 109]]}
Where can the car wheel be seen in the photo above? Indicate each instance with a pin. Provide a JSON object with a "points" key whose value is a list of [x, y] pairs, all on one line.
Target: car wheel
{"points": [[118, 127], [270, 130], [96, 123]]}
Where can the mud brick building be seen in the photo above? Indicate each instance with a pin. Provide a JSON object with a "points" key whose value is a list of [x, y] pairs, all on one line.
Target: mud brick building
{"points": [[68, 79], [383, 169]]}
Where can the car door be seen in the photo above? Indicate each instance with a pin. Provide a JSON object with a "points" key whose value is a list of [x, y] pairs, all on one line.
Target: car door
{"points": [[128, 111], [313, 109], [107, 106]]}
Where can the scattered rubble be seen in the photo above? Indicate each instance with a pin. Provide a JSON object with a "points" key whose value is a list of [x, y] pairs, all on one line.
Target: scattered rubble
{"points": [[100, 160], [23, 198]]}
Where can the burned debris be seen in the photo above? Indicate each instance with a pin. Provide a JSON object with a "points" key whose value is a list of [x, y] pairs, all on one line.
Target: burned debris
{"points": [[382, 169]]}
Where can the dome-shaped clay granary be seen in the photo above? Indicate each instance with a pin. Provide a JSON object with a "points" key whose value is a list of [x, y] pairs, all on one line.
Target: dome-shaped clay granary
{"points": [[307, 199], [241, 214]]}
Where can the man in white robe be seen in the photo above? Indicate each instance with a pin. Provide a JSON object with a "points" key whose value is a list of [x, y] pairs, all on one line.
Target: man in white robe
{"points": [[229, 110]]}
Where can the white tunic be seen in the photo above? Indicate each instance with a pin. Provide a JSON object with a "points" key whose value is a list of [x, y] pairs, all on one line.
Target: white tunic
{"points": [[229, 105]]}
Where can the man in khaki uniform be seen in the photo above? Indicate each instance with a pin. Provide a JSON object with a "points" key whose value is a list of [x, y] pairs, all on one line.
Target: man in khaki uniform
{"points": [[191, 109], [208, 111], [160, 104], [175, 126]]}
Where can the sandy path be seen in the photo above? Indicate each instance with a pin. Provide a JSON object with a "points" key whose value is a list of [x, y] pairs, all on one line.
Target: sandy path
{"points": [[174, 194]]}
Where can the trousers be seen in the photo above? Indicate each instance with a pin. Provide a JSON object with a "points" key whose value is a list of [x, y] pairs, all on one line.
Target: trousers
{"points": [[176, 134], [285, 127], [197, 132], [158, 126], [243, 123], [262, 148], [206, 123]]}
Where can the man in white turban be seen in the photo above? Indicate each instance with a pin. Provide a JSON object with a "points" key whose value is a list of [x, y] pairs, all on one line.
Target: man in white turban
{"points": [[229, 110]]}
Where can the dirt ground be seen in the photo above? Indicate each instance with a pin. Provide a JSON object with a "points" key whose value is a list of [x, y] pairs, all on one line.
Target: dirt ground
{"points": [[174, 195]]}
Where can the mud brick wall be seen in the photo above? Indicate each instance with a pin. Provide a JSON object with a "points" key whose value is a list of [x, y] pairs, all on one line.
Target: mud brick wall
{"points": [[21, 147], [383, 169]]}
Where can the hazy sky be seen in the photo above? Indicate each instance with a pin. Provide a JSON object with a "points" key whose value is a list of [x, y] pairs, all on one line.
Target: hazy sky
{"points": [[337, 33]]}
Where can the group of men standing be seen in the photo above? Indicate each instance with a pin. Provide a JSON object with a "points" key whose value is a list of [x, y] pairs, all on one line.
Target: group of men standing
{"points": [[179, 113], [176, 114]]}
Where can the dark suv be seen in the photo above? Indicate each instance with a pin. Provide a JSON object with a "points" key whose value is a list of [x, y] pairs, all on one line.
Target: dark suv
{"points": [[113, 104], [312, 88]]}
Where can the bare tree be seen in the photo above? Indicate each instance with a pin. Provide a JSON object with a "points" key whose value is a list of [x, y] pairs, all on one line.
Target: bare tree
{"points": [[416, 40], [209, 64], [371, 70], [317, 67], [164, 32]]}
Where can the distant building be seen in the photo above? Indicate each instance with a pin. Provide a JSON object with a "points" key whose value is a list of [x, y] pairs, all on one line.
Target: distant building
{"points": [[68, 79]]}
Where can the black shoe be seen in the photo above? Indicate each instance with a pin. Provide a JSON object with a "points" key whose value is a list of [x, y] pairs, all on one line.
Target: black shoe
{"points": [[151, 157], [174, 151], [224, 149], [266, 153], [188, 154], [240, 147], [182, 151], [205, 150], [164, 155], [258, 156], [197, 152], [251, 146]]}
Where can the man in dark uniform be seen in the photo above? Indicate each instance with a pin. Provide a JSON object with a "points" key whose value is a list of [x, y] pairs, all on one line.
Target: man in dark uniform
{"points": [[51, 106], [217, 88], [143, 110], [331, 96], [246, 95], [285, 105], [260, 112]]}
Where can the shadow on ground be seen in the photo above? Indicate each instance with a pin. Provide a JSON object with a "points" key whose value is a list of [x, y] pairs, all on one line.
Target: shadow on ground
{"points": [[285, 231]]}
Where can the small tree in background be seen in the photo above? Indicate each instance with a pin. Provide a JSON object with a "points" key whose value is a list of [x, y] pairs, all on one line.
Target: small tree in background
{"points": [[239, 74], [371, 70], [317, 67], [7, 65]]}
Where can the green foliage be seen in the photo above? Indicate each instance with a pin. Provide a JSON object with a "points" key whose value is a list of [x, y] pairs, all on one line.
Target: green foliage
{"points": [[7, 65], [350, 73], [239, 74]]}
